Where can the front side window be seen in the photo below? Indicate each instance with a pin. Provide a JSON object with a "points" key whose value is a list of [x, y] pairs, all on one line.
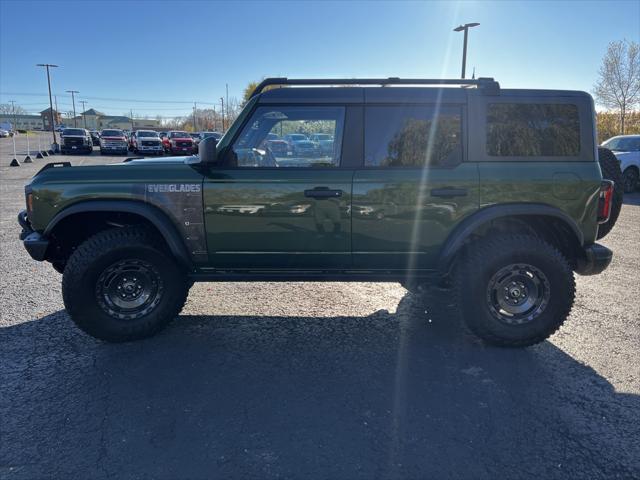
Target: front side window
{"points": [[285, 137], [412, 136], [533, 130]]}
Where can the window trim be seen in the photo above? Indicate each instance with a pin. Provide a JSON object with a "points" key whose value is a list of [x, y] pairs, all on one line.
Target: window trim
{"points": [[226, 153], [463, 133]]}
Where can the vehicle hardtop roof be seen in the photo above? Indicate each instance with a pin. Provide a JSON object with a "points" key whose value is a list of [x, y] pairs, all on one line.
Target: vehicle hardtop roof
{"points": [[391, 90]]}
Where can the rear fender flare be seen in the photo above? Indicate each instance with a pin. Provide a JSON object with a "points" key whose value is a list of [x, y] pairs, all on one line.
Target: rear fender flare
{"points": [[461, 233]]}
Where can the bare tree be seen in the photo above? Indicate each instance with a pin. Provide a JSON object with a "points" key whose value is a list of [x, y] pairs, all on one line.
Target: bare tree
{"points": [[8, 109], [618, 85]]}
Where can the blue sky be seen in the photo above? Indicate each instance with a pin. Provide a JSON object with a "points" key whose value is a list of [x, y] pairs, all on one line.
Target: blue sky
{"points": [[157, 52]]}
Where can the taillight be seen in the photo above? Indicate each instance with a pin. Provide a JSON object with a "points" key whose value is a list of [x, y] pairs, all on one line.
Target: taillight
{"points": [[605, 201]]}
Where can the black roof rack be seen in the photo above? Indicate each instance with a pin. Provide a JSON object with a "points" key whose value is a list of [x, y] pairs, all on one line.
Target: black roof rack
{"points": [[485, 83]]}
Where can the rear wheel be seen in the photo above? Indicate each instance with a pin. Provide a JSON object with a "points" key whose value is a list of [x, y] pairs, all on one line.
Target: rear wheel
{"points": [[514, 291], [120, 286], [610, 167]]}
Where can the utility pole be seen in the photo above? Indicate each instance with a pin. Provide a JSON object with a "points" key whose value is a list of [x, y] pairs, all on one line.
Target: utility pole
{"points": [[227, 89], [73, 100], [465, 28], [195, 125], [53, 128], [222, 102], [84, 118], [55, 100], [132, 126]]}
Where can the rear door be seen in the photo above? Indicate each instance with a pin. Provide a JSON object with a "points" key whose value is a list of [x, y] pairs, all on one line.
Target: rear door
{"points": [[273, 208], [415, 185]]}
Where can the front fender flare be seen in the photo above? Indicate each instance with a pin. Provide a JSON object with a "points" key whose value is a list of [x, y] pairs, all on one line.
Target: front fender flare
{"points": [[153, 214]]}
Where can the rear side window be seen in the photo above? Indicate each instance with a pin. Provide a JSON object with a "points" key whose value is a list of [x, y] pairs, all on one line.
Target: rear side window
{"points": [[533, 130], [413, 136]]}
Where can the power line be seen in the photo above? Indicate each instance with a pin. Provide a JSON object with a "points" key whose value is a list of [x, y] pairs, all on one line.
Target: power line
{"points": [[111, 99]]}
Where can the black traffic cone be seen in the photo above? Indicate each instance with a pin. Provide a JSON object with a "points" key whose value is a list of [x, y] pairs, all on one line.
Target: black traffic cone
{"points": [[14, 163], [39, 155], [44, 153], [27, 159]]}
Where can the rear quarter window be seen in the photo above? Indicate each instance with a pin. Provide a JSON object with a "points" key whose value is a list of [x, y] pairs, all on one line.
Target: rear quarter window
{"points": [[533, 130]]}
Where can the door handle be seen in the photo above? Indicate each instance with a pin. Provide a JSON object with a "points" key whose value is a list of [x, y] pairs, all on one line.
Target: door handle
{"points": [[449, 192], [322, 192]]}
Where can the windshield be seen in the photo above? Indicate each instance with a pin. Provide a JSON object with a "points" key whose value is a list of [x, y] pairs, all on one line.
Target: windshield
{"points": [[148, 134], [211, 134], [179, 135], [73, 131], [323, 137], [112, 133], [298, 138]]}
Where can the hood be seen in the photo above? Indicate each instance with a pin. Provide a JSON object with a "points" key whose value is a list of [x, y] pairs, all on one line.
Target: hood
{"points": [[181, 139]]}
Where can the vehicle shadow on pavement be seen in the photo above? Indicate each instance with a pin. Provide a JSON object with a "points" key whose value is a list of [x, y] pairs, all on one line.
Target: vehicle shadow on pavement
{"points": [[389, 395]]}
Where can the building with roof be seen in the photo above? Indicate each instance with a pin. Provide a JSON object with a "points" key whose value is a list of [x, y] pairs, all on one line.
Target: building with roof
{"points": [[22, 122], [95, 120], [46, 118]]}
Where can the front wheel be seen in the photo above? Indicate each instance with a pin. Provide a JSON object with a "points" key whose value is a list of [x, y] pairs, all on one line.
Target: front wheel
{"points": [[119, 285], [514, 291]]}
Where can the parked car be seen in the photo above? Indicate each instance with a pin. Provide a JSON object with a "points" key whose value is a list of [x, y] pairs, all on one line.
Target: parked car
{"points": [[76, 140], [626, 148], [95, 138], [113, 141], [300, 145], [324, 141], [277, 145], [178, 142], [429, 188], [147, 141], [4, 134]]}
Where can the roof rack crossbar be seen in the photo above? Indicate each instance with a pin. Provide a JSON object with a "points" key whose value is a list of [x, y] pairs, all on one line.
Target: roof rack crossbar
{"points": [[482, 82]]}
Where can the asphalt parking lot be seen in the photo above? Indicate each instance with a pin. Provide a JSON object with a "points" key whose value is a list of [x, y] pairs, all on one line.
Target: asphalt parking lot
{"points": [[313, 380]]}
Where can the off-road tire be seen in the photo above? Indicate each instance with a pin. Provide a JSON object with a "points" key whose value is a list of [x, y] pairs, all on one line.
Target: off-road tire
{"points": [[630, 179], [83, 288], [483, 260], [610, 167]]}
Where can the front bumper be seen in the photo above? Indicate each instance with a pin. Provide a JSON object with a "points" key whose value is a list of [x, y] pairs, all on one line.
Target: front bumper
{"points": [[595, 260], [35, 244]]}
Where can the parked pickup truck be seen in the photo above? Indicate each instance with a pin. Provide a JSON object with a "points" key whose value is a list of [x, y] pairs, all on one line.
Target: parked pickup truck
{"points": [[75, 140], [147, 141], [113, 141], [495, 194], [179, 142]]}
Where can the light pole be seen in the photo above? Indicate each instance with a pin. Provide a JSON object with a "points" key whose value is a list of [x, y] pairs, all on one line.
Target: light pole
{"points": [[222, 102], [465, 28], [84, 118], [73, 100], [53, 128]]}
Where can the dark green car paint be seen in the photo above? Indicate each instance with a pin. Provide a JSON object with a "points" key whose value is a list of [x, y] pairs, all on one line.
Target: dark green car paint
{"points": [[262, 218]]}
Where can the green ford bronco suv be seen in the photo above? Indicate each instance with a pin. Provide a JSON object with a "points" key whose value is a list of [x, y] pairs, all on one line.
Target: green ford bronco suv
{"points": [[496, 193]]}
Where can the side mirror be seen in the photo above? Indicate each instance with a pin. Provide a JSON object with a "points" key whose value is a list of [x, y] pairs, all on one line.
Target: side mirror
{"points": [[207, 151]]}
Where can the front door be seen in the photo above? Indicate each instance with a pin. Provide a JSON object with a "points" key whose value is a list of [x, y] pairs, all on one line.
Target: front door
{"points": [[282, 198]]}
